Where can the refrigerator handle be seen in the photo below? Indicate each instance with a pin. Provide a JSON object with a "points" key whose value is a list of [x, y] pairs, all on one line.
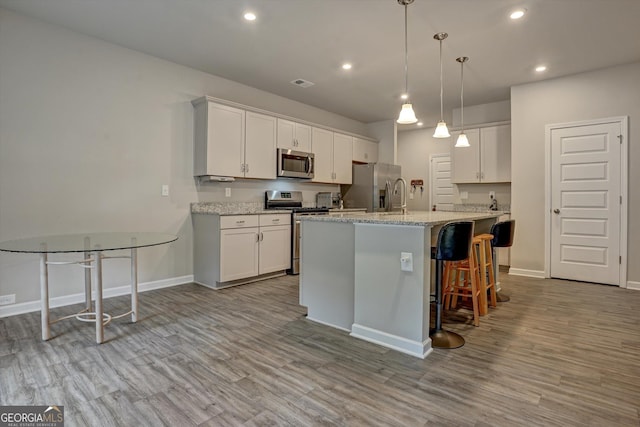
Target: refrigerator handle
{"points": [[387, 195]]}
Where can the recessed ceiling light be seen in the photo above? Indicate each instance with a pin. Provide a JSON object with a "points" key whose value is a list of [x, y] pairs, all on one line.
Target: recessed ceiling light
{"points": [[346, 66], [404, 96], [250, 16], [517, 14], [419, 123], [541, 68]]}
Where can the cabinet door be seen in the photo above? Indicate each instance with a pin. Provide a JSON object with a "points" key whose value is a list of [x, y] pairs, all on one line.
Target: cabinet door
{"points": [[342, 158], [224, 140], [495, 156], [238, 253], [294, 136], [466, 161], [322, 147], [364, 151], [286, 134], [275, 248], [260, 146], [303, 137]]}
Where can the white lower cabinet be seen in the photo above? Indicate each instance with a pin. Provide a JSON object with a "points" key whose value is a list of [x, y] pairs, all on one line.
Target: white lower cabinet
{"points": [[236, 249]]}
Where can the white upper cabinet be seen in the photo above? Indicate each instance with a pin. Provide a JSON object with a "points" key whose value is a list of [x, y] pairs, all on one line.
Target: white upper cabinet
{"points": [[295, 136], [260, 146], [488, 159], [342, 158], [333, 154], [364, 151], [495, 157], [233, 142], [219, 140], [322, 147]]}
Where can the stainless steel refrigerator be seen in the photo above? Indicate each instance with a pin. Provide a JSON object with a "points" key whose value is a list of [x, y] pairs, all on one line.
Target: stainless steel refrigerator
{"points": [[372, 188]]}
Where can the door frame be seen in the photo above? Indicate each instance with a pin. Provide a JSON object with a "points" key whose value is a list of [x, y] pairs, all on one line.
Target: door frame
{"points": [[624, 173]]}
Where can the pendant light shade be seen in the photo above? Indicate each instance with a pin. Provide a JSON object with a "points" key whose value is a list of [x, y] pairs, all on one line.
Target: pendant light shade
{"points": [[462, 138], [462, 141], [441, 129], [407, 116]]}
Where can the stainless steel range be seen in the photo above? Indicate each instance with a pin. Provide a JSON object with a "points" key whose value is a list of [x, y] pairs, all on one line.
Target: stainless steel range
{"points": [[292, 201]]}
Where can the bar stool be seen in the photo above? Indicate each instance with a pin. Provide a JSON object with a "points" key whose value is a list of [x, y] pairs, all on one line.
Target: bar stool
{"points": [[502, 238], [453, 244], [486, 271], [462, 279]]}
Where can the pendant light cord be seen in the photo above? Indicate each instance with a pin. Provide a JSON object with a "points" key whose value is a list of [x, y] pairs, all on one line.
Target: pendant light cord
{"points": [[462, 95], [406, 56], [441, 90]]}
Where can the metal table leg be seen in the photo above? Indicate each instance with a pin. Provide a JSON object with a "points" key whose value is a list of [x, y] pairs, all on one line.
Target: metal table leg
{"points": [[134, 285], [97, 279], [44, 296]]}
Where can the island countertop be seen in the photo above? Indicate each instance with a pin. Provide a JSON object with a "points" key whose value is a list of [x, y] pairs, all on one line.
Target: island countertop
{"points": [[412, 218]]}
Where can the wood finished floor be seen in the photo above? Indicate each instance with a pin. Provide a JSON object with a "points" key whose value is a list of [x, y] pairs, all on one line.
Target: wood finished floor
{"points": [[559, 354]]}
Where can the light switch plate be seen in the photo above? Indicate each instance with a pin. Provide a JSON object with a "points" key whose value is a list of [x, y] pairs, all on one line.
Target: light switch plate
{"points": [[464, 195], [227, 192], [406, 261], [8, 299], [165, 190]]}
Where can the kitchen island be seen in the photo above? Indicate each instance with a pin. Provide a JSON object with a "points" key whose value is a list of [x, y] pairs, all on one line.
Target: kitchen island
{"points": [[370, 273]]}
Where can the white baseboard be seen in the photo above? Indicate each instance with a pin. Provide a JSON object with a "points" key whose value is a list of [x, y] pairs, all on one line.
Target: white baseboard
{"points": [[31, 306], [395, 342], [633, 285], [526, 273]]}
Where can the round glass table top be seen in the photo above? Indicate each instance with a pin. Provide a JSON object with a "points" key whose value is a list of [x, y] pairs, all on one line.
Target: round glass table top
{"points": [[86, 242]]}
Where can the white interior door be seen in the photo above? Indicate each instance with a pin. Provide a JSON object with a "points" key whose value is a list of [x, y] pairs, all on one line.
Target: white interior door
{"points": [[586, 202], [441, 188]]}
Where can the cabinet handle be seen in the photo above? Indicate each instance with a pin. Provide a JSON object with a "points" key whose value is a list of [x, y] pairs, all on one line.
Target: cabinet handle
{"points": [[246, 167], [257, 237], [261, 236], [276, 220], [240, 221], [478, 175]]}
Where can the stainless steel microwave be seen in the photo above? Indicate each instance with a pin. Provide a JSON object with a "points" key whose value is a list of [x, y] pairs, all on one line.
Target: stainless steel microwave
{"points": [[295, 164]]}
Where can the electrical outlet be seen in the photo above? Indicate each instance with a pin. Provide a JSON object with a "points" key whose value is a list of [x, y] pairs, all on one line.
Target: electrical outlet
{"points": [[406, 261], [165, 190], [227, 192], [7, 299], [464, 195], [492, 194]]}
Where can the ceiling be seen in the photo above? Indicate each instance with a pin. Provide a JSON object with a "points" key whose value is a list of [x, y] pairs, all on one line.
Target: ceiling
{"points": [[310, 39]]}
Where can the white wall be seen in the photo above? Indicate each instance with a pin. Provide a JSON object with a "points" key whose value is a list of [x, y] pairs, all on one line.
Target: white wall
{"points": [[89, 131], [416, 146], [386, 134], [414, 149], [604, 93]]}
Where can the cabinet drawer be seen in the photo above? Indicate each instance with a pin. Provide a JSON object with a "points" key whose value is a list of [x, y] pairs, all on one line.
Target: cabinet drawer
{"points": [[238, 221], [275, 219]]}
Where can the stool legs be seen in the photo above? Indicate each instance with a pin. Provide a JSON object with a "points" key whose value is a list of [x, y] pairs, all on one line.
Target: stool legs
{"points": [[439, 337]]}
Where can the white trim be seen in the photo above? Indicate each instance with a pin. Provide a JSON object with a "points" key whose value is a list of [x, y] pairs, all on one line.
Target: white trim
{"points": [[31, 306], [624, 190], [633, 285], [403, 345], [527, 273], [322, 322]]}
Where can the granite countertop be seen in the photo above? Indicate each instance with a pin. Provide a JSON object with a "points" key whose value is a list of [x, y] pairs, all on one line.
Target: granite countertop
{"points": [[346, 210], [411, 218], [234, 208]]}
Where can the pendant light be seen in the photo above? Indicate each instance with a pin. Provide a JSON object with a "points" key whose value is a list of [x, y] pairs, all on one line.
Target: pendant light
{"points": [[441, 129], [462, 138], [407, 116]]}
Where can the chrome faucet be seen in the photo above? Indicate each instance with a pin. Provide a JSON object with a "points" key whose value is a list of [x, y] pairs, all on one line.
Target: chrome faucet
{"points": [[403, 199]]}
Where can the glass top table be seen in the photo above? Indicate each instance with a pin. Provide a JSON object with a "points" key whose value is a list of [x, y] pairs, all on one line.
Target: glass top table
{"points": [[91, 246], [88, 242]]}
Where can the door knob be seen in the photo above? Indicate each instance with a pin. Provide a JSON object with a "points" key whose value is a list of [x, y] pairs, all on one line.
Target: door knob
{"points": [[556, 211]]}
